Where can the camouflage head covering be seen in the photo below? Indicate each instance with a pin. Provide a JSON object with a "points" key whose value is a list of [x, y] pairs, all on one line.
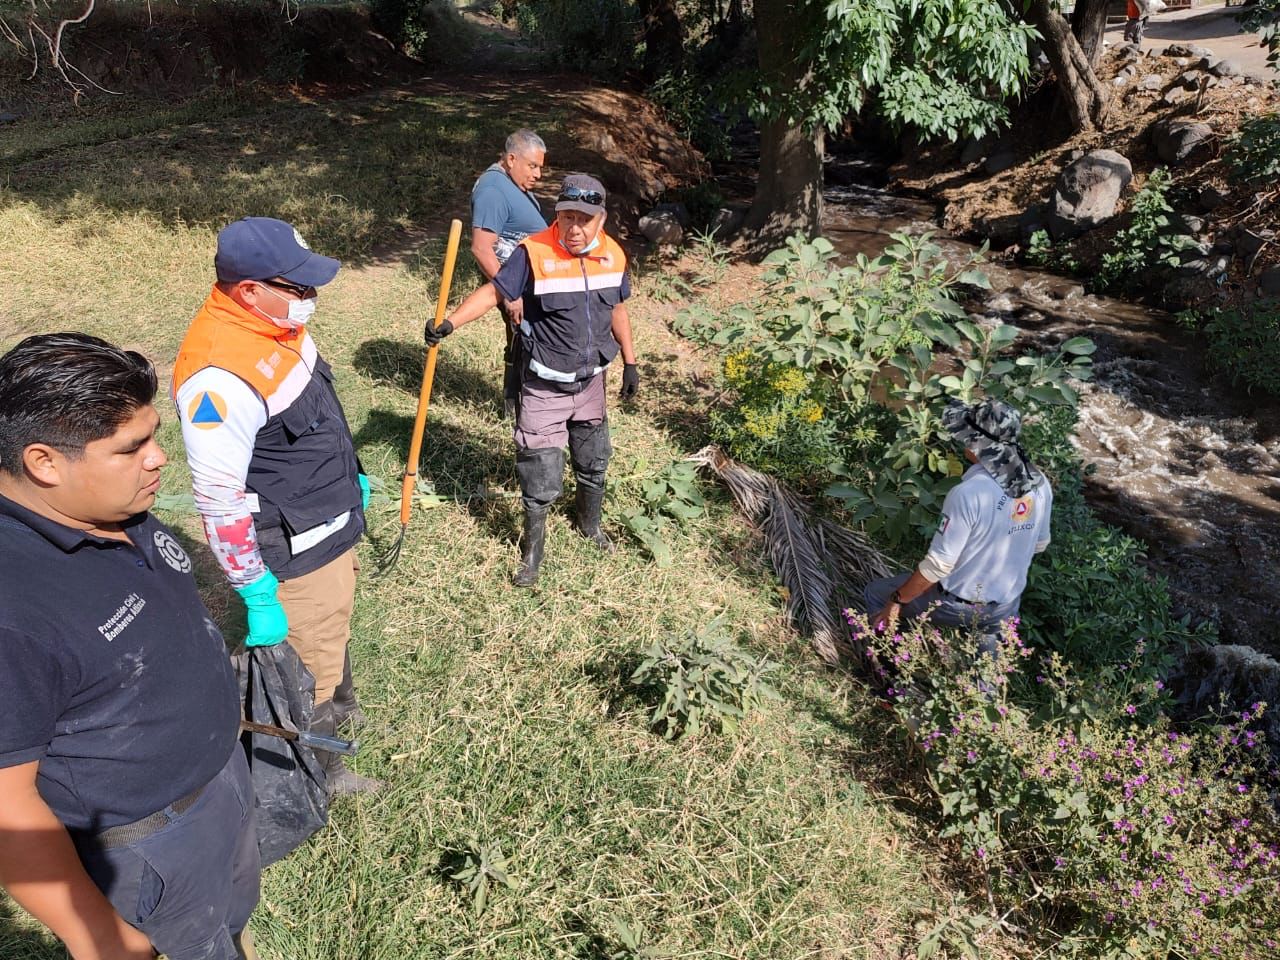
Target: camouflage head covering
{"points": [[990, 429]]}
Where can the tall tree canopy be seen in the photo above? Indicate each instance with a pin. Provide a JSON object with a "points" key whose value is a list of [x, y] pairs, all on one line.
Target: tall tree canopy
{"points": [[938, 67]]}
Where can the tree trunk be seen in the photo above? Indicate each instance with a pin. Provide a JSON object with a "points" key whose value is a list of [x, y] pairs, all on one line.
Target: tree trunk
{"points": [[789, 188], [1084, 97], [663, 38], [1088, 23]]}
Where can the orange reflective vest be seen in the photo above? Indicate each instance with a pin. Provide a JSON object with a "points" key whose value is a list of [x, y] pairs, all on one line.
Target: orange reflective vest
{"points": [[568, 326]]}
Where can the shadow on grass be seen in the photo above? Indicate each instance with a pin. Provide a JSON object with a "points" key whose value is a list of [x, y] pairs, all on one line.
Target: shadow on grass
{"points": [[400, 364], [24, 944], [612, 677], [455, 464]]}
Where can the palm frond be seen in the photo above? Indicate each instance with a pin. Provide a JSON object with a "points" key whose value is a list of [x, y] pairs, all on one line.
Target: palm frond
{"points": [[823, 566]]}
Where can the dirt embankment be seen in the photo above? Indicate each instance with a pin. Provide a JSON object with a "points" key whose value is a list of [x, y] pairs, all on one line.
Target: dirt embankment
{"points": [[988, 189]]}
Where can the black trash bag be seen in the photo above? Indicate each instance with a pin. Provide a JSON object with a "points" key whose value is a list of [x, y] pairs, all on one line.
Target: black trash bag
{"points": [[290, 791]]}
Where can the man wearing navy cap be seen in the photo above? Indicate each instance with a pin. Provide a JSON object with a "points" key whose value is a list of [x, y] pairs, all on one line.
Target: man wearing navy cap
{"points": [[126, 810], [273, 463]]}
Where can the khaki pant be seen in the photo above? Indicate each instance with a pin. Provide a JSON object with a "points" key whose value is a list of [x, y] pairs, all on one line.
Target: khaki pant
{"points": [[319, 606]]}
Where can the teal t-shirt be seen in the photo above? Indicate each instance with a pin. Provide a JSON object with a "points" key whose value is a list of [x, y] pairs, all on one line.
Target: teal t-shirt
{"points": [[499, 206]]}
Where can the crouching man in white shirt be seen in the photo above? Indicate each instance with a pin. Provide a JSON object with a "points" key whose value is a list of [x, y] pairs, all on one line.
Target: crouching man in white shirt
{"points": [[993, 523]]}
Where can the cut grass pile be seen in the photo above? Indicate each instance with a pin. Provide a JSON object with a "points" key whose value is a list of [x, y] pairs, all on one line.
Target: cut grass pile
{"points": [[498, 716]]}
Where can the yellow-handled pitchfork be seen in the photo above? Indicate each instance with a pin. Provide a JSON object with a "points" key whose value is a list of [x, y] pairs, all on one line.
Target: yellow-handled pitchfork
{"points": [[424, 402]]}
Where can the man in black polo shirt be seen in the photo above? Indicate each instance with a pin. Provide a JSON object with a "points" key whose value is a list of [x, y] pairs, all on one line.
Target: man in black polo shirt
{"points": [[126, 811]]}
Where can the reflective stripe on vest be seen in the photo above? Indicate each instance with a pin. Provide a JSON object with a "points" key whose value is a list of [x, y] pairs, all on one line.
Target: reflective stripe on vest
{"points": [[557, 276]]}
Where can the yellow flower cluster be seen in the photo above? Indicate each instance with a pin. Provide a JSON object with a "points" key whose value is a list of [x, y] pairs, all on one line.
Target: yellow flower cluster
{"points": [[789, 382], [812, 413], [762, 426], [737, 367]]}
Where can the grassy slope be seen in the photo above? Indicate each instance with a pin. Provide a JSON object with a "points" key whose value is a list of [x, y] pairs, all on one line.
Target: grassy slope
{"points": [[496, 714]]}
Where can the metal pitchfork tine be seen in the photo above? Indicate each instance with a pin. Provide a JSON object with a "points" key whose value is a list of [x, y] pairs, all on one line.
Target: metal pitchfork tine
{"points": [[410, 480]]}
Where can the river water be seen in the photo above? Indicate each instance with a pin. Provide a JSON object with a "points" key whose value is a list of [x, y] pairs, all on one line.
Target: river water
{"points": [[1182, 460]]}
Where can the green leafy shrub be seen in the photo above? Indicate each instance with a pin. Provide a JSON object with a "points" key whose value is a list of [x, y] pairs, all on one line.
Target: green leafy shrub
{"points": [[880, 346], [598, 36], [1245, 342], [687, 101], [1042, 252], [1254, 152], [667, 500], [704, 682], [777, 421], [477, 868], [431, 30], [1088, 810], [1149, 240]]}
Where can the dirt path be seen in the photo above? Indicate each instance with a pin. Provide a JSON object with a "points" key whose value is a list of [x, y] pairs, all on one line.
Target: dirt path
{"points": [[1215, 28]]}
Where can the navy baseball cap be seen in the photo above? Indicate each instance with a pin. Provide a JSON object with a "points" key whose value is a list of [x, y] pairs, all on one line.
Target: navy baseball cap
{"points": [[261, 248]]}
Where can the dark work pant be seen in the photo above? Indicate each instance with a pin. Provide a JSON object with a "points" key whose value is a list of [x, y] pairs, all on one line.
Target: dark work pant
{"points": [[983, 618], [191, 885]]}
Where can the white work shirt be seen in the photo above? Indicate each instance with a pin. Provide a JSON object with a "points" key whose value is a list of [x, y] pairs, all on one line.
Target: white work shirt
{"points": [[986, 539]]}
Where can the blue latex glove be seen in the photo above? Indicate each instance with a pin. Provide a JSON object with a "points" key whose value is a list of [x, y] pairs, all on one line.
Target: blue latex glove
{"points": [[268, 624], [365, 492]]}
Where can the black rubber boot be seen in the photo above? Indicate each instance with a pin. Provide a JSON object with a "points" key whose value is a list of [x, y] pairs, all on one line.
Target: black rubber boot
{"points": [[589, 501], [341, 781], [346, 707], [541, 475], [535, 537]]}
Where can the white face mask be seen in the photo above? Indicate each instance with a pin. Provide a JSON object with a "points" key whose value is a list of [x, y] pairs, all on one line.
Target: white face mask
{"points": [[300, 311]]}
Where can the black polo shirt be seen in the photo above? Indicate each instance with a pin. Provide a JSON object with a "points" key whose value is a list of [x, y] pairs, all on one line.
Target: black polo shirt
{"points": [[112, 673]]}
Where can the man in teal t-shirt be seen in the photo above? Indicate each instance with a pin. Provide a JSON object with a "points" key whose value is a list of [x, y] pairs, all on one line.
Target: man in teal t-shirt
{"points": [[503, 212]]}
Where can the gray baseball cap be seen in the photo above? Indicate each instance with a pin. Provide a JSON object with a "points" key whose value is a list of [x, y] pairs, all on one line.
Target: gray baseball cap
{"points": [[581, 192]]}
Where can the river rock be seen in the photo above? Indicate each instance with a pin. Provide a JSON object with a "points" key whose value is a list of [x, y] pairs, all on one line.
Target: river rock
{"points": [[976, 149], [1231, 676], [1221, 67], [1087, 192], [1177, 140], [1187, 50], [1174, 96], [1269, 282], [1152, 81], [662, 225], [1000, 160], [1249, 242], [1031, 221], [726, 221]]}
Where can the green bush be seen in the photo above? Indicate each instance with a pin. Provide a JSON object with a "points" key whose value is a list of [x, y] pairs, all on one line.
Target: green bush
{"points": [[1254, 152], [687, 101], [869, 354], [777, 422], [1150, 240], [596, 36], [1245, 342], [431, 30], [1091, 813], [704, 681]]}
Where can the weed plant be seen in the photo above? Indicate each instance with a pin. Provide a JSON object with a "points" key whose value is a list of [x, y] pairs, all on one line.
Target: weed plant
{"points": [[1244, 342], [1076, 803], [840, 374], [1148, 243]]}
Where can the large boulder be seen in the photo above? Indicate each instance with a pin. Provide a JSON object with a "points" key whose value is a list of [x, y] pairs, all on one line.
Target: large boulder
{"points": [[1269, 282], [1177, 140], [662, 224], [1087, 192]]}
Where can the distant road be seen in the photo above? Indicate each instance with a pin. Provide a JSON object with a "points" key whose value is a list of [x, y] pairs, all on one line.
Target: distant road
{"points": [[1213, 27]]}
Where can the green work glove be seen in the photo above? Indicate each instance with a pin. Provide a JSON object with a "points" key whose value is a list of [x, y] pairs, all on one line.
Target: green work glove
{"points": [[268, 624], [365, 492]]}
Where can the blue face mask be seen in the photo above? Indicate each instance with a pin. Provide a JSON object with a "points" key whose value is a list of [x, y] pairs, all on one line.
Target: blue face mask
{"points": [[587, 249]]}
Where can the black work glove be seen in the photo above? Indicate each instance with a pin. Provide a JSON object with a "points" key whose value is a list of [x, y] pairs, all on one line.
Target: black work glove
{"points": [[433, 334], [630, 381]]}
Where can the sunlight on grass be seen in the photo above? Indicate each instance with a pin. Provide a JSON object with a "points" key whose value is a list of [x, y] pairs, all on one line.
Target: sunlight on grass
{"points": [[497, 715]]}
